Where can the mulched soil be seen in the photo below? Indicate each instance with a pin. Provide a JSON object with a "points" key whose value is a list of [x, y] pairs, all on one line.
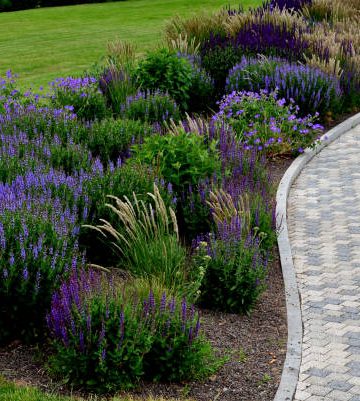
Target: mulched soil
{"points": [[256, 346]]}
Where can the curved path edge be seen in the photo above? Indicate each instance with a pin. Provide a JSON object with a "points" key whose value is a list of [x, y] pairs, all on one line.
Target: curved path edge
{"points": [[291, 369]]}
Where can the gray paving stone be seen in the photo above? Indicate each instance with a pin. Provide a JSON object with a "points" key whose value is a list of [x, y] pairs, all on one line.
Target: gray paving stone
{"points": [[324, 233], [340, 385]]}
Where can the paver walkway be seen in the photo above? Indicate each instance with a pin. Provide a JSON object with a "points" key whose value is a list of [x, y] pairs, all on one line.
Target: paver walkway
{"points": [[324, 232]]}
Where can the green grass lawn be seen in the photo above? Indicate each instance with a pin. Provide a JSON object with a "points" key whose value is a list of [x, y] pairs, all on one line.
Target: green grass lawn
{"points": [[11, 392], [42, 44]]}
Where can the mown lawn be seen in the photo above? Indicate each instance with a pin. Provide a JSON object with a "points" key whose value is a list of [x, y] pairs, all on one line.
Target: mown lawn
{"points": [[42, 44], [10, 392]]}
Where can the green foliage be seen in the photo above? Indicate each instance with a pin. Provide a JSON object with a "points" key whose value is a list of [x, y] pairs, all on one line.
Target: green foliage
{"points": [[182, 159], [122, 337], [234, 275], [217, 62], [151, 108], [147, 239], [111, 138], [262, 222], [81, 95], [164, 70], [70, 157]]}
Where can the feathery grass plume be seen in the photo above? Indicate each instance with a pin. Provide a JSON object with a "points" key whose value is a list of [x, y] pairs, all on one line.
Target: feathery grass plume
{"points": [[331, 10], [184, 45], [147, 239], [121, 53], [286, 19], [224, 208], [116, 81], [331, 66], [340, 40], [198, 27], [196, 125]]}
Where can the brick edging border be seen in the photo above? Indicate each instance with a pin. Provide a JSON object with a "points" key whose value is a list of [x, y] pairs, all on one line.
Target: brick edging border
{"points": [[291, 369]]}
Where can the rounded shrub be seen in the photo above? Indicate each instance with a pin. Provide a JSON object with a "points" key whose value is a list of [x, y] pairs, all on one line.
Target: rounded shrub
{"points": [[82, 95], [106, 336], [182, 159], [151, 107], [110, 139], [187, 161], [163, 70], [234, 270]]}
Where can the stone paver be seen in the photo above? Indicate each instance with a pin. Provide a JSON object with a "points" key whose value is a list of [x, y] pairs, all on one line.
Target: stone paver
{"points": [[324, 233]]}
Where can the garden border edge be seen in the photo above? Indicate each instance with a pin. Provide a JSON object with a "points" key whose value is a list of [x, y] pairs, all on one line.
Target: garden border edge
{"points": [[290, 374]]}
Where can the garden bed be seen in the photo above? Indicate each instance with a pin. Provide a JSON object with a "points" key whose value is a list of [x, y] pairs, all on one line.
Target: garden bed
{"points": [[137, 224], [256, 345]]}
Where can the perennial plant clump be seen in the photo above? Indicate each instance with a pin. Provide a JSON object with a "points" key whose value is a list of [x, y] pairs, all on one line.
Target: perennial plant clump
{"points": [[82, 94], [310, 88], [107, 337], [267, 123]]}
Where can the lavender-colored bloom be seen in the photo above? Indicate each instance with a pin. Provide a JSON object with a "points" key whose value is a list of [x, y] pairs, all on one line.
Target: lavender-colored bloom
{"points": [[151, 301], [81, 341], [163, 303], [172, 305], [309, 87], [103, 354], [25, 273]]}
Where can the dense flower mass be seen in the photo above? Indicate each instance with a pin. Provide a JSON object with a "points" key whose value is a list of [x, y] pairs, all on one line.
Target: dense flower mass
{"points": [[310, 88], [96, 321], [262, 35], [263, 121]]}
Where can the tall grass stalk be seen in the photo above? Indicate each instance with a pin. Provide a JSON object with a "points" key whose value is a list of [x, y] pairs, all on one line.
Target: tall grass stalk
{"points": [[147, 239]]}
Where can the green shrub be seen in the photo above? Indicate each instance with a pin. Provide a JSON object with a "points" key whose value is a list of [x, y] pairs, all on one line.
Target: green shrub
{"points": [[151, 108], [163, 70], [105, 336], [234, 272], [217, 62], [185, 161], [70, 158], [111, 138], [82, 94], [182, 159]]}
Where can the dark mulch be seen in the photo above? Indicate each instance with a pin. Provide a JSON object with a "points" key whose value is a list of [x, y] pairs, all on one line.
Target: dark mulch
{"points": [[256, 346]]}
